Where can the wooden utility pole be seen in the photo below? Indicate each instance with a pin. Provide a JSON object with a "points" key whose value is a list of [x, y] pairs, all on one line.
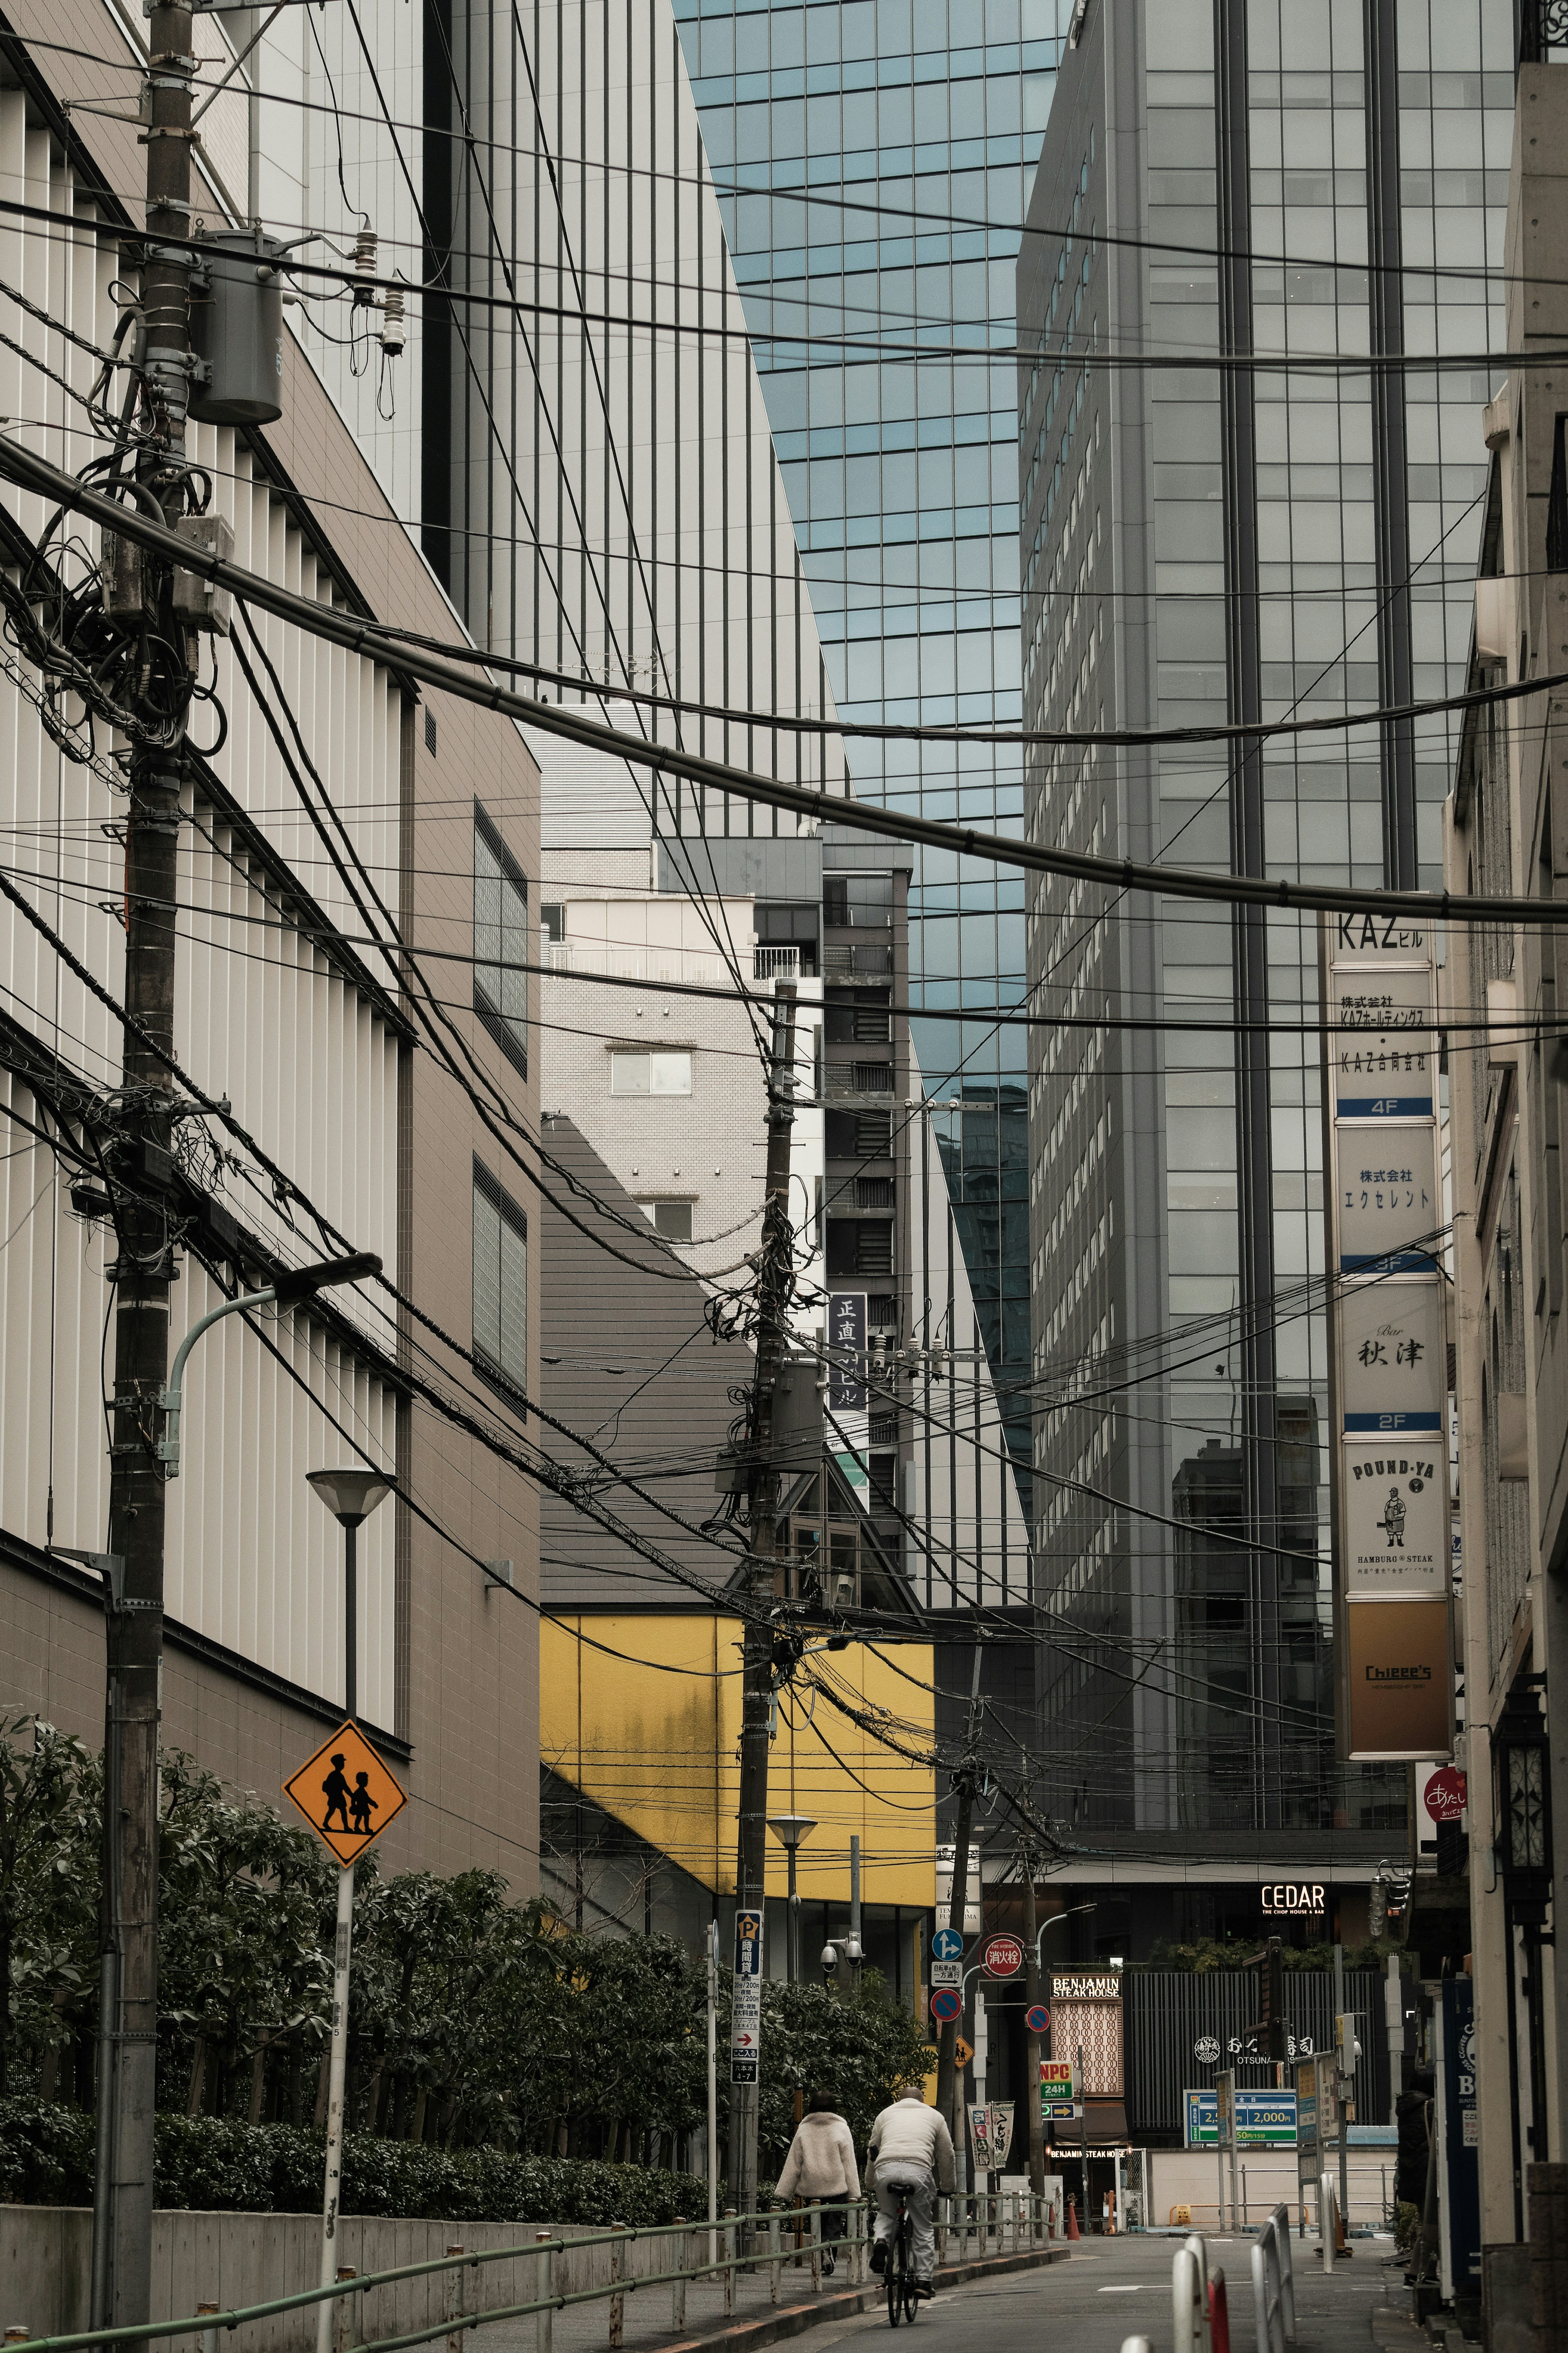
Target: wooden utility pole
{"points": [[774, 1283], [947, 2076], [144, 1264], [1032, 2041]]}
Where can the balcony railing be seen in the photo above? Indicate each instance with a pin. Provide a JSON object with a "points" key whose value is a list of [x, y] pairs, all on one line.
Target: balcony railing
{"points": [[776, 964], [870, 964], [636, 964]]}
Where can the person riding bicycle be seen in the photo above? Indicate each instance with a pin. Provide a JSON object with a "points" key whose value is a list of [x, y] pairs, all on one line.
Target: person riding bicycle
{"points": [[911, 2149]]}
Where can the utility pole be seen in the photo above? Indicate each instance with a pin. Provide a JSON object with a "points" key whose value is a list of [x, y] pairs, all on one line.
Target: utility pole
{"points": [[1032, 2041], [774, 1283], [144, 1268], [947, 2090]]}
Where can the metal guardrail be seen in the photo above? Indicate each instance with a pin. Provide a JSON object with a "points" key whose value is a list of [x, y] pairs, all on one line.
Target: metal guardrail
{"points": [[1017, 2216], [1273, 2283]]}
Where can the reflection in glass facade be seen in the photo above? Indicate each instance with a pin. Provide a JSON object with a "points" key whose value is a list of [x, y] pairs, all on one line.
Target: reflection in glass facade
{"points": [[901, 475], [1204, 546]]}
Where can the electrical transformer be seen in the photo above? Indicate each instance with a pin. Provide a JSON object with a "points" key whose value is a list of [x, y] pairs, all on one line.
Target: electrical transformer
{"points": [[236, 330]]}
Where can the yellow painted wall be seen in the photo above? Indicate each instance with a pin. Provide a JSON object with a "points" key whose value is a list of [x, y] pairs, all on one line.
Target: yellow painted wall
{"points": [[658, 1750]]}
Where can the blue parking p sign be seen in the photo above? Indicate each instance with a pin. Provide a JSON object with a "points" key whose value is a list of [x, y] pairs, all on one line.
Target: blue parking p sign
{"points": [[947, 1945]]}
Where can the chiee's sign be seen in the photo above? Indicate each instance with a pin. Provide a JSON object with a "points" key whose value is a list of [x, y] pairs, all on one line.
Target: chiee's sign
{"points": [[1301, 1899]]}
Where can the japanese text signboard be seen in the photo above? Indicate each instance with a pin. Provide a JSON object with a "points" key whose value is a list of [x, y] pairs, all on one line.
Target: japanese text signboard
{"points": [[746, 2005], [1388, 1357]]}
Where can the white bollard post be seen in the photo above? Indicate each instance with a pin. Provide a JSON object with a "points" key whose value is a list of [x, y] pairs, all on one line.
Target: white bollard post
{"points": [[209, 2336], [617, 2303], [452, 2301], [544, 2286], [1327, 2219]]}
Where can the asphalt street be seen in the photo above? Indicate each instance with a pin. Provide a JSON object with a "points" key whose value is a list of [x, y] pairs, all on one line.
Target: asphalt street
{"points": [[1117, 2288]]}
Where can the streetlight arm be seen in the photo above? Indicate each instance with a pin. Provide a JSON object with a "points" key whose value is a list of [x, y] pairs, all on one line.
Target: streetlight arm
{"points": [[289, 1288], [170, 1397], [1051, 1923]]}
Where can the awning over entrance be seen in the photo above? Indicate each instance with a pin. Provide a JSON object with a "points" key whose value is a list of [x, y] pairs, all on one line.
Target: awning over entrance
{"points": [[1102, 2133]]}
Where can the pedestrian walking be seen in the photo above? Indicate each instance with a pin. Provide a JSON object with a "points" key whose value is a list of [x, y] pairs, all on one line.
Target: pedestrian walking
{"points": [[911, 2149], [821, 2170]]}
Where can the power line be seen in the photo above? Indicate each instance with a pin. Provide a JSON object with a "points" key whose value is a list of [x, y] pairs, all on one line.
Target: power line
{"points": [[33, 473], [868, 346], [834, 195]]}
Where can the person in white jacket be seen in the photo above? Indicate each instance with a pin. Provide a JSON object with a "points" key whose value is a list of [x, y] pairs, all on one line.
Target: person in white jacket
{"points": [[821, 2170], [911, 2149]]}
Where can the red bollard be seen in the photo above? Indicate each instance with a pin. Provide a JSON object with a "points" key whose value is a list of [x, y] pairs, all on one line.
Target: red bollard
{"points": [[1072, 2229], [1219, 2315]]}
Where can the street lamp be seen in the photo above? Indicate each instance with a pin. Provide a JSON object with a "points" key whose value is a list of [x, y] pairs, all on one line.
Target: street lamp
{"points": [[790, 1829], [1055, 1918], [351, 1496], [286, 1290]]}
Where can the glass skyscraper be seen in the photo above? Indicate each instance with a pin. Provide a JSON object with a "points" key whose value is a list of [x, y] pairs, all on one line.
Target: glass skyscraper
{"points": [[1208, 544], [873, 158]]}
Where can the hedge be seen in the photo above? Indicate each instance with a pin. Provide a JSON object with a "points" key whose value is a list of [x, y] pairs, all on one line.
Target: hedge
{"points": [[214, 2165]]}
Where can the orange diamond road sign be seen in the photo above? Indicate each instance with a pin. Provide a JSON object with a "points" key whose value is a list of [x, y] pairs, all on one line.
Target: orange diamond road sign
{"points": [[346, 1793], [962, 2052]]}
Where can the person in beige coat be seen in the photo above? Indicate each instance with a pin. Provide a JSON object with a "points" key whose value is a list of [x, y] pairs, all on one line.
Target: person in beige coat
{"points": [[821, 2170]]}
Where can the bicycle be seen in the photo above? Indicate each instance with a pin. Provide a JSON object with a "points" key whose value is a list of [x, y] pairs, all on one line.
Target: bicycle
{"points": [[903, 2288]]}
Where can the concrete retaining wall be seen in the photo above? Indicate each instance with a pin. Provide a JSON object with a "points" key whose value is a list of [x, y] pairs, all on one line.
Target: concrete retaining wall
{"points": [[241, 2259]]}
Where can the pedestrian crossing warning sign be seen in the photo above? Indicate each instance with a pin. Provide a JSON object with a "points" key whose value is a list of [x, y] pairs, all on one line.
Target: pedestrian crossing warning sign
{"points": [[346, 1793]]}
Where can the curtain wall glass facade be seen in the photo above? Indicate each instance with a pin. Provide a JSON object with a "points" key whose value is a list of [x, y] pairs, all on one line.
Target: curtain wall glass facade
{"points": [[872, 159], [1203, 546]]}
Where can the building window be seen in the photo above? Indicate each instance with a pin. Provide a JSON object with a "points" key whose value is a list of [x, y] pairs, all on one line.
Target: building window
{"points": [[501, 1287], [671, 1219], [501, 942], [552, 919], [650, 1074]]}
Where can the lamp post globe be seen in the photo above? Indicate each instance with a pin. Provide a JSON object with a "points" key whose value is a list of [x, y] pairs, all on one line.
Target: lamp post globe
{"points": [[351, 1496]]}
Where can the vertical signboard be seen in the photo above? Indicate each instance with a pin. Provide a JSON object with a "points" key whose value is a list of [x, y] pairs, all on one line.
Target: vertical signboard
{"points": [[746, 2007], [846, 1397], [1458, 2143], [1388, 1353]]}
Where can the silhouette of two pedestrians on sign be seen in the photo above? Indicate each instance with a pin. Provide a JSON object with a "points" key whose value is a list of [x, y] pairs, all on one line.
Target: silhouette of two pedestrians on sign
{"points": [[361, 1805]]}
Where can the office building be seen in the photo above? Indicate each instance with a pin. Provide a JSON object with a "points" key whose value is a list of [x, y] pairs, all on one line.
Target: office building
{"points": [[1507, 1850], [282, 1008], [919, 125], [1201, 546]]}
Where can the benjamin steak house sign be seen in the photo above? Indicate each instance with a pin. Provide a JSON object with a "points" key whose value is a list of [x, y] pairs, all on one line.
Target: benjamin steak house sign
{"points": [[1388, 1353]]}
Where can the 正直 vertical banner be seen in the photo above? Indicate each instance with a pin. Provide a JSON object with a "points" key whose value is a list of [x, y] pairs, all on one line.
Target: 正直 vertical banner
{"points": [[1387, 1322]]}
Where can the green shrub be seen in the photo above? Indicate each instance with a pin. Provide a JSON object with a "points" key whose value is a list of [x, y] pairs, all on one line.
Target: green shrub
{"points": [[214, 2165]]}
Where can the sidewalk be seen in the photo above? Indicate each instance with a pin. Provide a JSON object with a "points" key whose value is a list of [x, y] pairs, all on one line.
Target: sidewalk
{"points": [[755, 2321]]}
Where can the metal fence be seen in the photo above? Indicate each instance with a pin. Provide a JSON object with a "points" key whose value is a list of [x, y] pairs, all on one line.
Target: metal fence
{"points": [[968, 2228], [1181, 2030]]}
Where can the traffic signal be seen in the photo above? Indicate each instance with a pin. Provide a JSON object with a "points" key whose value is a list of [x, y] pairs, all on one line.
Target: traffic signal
{"points": [[1346, 2045]]}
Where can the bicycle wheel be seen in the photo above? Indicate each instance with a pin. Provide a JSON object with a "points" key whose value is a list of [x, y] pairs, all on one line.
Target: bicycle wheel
{"points": [[895, 2274], [907, 2269]]}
